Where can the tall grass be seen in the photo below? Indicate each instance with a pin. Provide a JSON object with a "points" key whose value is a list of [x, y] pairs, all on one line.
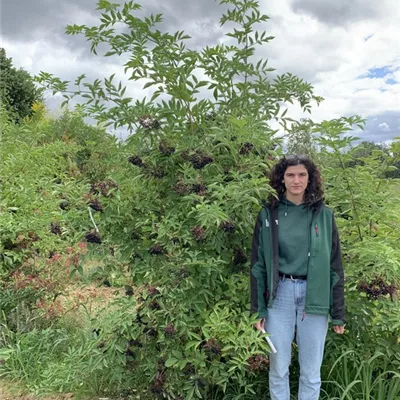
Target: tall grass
{"points": [[354, 378]]}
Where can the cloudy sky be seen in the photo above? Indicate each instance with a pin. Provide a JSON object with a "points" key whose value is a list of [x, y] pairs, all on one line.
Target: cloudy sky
{"points": [[348, 49]]}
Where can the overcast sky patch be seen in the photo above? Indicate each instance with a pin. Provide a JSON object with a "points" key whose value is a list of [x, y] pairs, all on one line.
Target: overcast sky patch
{"points": [[349, 50]]}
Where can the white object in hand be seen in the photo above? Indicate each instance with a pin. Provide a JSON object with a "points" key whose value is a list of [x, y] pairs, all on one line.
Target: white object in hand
{"points": [[271, 345]]}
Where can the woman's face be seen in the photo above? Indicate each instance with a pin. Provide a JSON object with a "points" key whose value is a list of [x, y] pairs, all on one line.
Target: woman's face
{"points": [[295, 179]]}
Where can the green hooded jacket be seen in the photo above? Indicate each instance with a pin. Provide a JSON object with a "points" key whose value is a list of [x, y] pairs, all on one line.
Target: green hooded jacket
{"points": [[325, 278]]}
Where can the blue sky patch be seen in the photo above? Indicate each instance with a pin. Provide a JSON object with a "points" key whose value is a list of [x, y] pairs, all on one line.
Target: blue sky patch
{"points": [[378, 72]]}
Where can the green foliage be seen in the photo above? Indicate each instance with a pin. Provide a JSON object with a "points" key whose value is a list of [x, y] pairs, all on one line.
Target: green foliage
{"points": [[17, 91]]}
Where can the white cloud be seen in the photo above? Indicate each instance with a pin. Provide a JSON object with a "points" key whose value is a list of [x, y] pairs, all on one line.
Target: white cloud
{"points": [[384, 127]]}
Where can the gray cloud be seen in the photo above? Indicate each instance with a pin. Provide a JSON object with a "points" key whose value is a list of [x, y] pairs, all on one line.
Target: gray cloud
{"points": [[338, 12], [374, 127]]}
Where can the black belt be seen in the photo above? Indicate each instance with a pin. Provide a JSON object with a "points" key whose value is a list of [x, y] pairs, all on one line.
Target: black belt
{"points": [[292, 277]]}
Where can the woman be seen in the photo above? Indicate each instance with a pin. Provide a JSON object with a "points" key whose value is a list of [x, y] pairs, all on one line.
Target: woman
{"points": [[296, 275]]}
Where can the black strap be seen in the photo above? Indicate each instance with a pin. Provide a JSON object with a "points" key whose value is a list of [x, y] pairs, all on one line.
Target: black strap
{"points": [[301, 277]]}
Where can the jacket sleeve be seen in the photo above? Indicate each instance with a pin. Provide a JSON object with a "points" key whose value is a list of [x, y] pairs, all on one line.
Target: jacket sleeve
{"points": [[337, 279], [258, 273]]}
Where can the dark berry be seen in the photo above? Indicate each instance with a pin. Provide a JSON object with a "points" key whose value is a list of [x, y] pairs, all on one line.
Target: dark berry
{"points": [[93, 237], [199, 233], [103, 187], [227, 226], [148, 122], [170, 330], [154, 305], [136, 160], [181, 188], [129, 353], [135, 235], [198, 159], [200, 383], [199, 189], [189, 369], [96, 205], [157, 172], [152, 291], [258, 362], [107, 283], [128, 290], [64, 205], [165, 148], [135, 343], [156, 250], [55, 228], [239, 257], [150, 331], [212, 347], [246, 148]]}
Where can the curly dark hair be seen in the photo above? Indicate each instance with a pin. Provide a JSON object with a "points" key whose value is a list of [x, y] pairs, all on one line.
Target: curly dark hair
{"points": [[313, 194]]}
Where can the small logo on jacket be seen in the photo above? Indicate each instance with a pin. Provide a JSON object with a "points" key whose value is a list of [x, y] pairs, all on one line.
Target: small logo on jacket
{"points": [[266, 223]]}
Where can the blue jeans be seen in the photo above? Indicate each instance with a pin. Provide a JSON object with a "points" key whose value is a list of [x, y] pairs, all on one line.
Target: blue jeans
{"points": [[284, 318]]}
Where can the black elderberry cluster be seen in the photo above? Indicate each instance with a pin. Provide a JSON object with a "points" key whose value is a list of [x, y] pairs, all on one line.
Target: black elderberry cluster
{"points": [[165, 148], [152, 291], [157, 172], [198, 232], [189, 369], [103, 187], [135, 235], [228, 178], [199, 189], [158, 385], [181, 188], [55, 228], [95, 205], [135, 343], [198, 159], [258, 362], [136, 160], [170, 330], [128, 290], [227, 226], [376, 288], [246, 148], [239, 257], [93, 237], [212, 347], [148, 122], [184, 189], [152, 332], [154, 305], [64, 205], [156, 250], [182, 273]]}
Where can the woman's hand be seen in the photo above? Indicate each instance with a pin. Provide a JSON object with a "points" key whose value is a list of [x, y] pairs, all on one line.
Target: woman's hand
{"points": [[339, 329], [260, 324]]}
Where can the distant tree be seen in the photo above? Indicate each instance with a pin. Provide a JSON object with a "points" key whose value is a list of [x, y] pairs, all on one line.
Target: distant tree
{"points": [[300, 139], [17, 90], [363, 150]]}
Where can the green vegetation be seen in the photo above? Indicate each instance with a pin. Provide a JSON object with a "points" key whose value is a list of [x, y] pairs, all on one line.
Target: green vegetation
{"points": [[17, 91], [125, 265]]}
